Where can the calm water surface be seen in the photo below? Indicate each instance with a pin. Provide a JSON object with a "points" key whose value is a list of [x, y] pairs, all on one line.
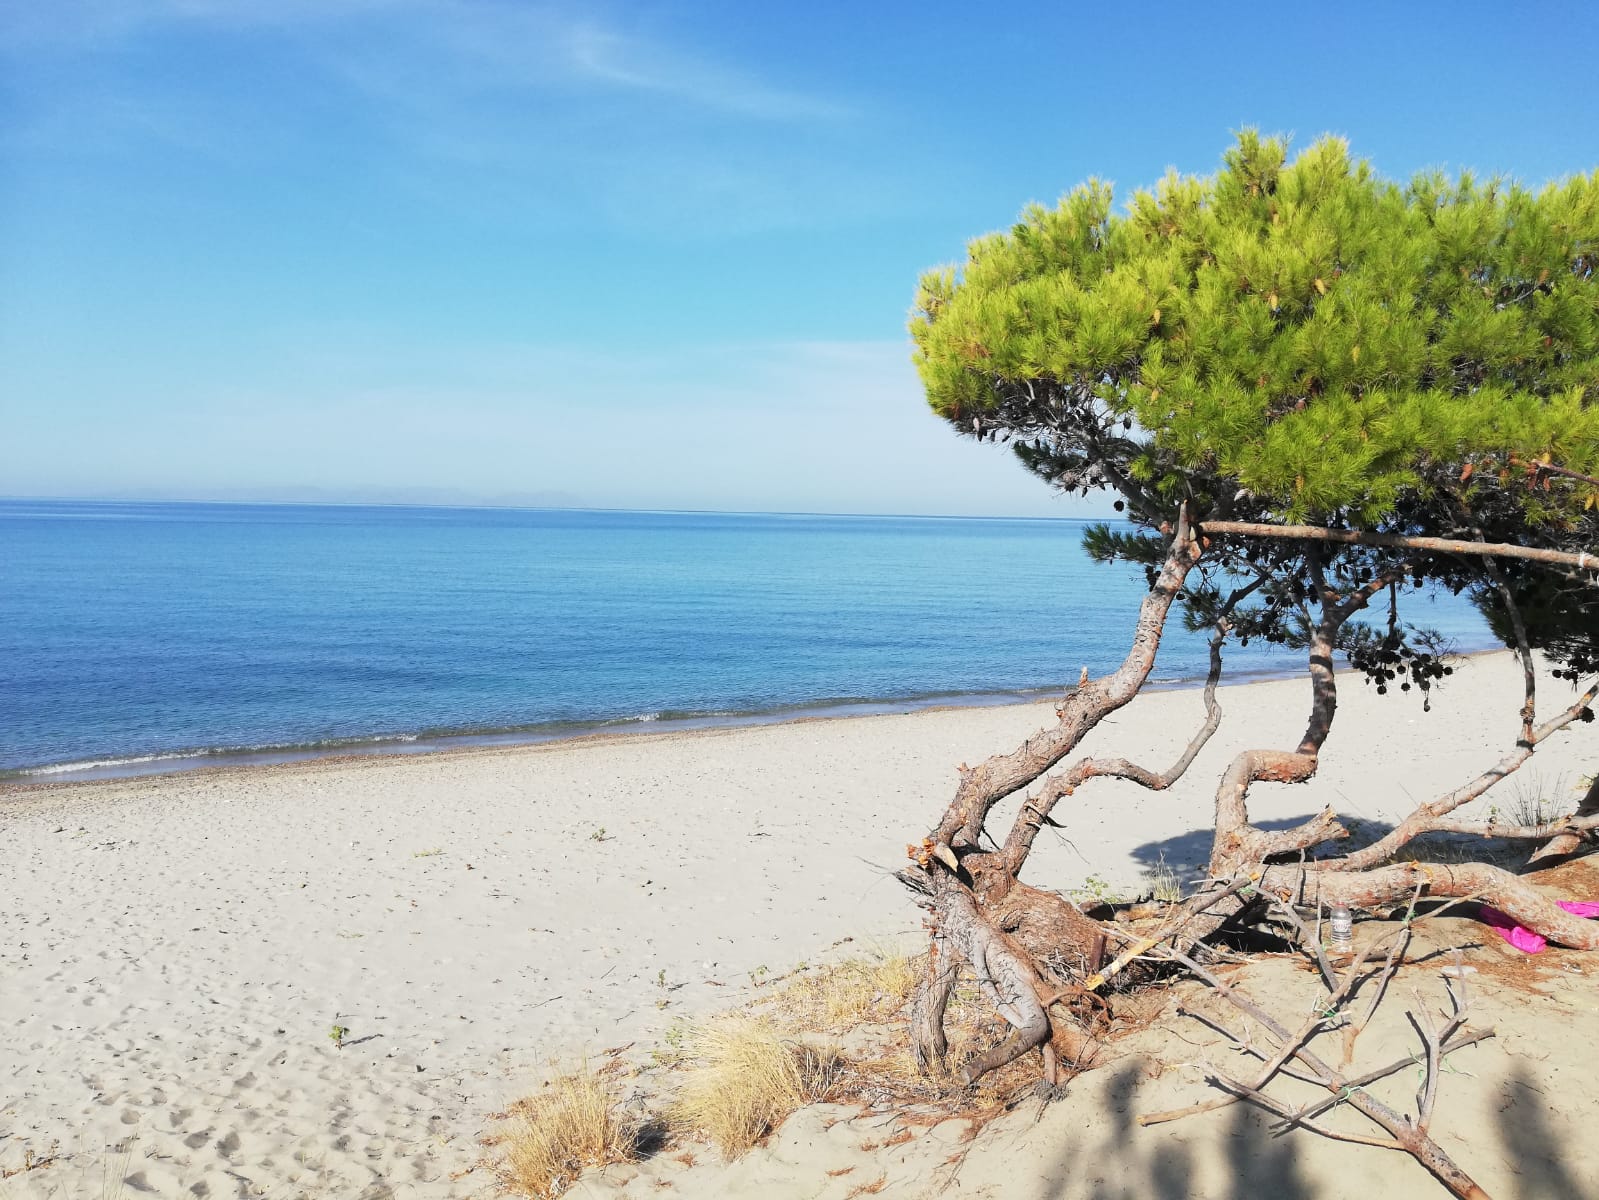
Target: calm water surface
{"points": [[143, 636]]}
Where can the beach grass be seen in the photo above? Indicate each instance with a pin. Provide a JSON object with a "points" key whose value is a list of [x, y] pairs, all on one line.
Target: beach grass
{"points": [[572, 1123], [747, 1077], [834, 997]]}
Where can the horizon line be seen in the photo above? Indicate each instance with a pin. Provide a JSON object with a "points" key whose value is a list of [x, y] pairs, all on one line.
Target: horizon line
{"points": [[719, 512]]}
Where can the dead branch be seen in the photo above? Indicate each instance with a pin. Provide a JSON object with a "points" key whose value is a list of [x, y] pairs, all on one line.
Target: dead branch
{"points": [[1339, 991], [1382, 887], [1565, 843], [1405, 1134], [1192, 908], [1458, 1042], [1580, 828]]}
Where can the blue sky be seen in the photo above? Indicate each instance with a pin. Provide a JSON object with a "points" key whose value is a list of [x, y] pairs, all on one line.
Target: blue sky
{"points": [[641, 255]]}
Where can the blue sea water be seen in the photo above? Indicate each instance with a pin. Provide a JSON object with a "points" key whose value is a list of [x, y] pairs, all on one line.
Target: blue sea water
{"points": [[151, 636]]}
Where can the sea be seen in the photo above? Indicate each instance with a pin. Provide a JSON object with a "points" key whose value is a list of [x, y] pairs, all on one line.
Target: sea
{"points": [[146, 637]]}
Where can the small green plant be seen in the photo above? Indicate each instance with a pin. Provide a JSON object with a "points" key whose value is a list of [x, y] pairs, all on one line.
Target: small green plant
{"points": [[1094, 890], [676, 1038], [337, 1035], [599, 835], [759, 974], [429, 853], [660, 979]]}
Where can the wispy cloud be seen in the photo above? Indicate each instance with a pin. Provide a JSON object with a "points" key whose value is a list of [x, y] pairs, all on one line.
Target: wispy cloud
{"points": [[484, 45], [609, 56], [491, 110]]}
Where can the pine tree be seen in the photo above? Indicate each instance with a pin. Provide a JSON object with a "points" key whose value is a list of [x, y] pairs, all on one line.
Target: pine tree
{"points": [[1297, 343], [1313, 391]]}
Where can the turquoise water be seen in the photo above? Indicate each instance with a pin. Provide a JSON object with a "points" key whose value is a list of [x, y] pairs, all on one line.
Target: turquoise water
{"points": [[139, 637]]}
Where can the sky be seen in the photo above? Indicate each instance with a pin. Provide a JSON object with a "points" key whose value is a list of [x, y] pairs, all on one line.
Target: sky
{"points": [[625, 255]]}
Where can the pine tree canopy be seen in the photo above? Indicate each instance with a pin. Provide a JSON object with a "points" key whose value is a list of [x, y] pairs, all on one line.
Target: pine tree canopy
{"points": [[1296, 342], [1330, 342]]}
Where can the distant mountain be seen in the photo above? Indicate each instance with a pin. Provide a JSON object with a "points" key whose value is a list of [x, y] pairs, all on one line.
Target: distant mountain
{"points": [[358, 495]]}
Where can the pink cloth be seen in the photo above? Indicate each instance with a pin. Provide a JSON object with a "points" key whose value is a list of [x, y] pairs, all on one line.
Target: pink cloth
{"points": [[1526, 940]]}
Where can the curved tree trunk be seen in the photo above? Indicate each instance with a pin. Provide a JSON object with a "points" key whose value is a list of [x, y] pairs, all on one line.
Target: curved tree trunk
{"points": [[1015, 940]]}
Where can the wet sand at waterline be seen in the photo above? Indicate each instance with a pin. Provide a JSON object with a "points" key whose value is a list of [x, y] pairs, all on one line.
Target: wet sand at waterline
{"points": [[175, 951]]}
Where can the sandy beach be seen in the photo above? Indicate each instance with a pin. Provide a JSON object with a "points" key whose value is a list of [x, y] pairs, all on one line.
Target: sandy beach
{"points": [[174, 951]]}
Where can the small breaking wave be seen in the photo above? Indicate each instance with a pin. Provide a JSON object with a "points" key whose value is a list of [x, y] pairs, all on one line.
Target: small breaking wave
{"points": [[91, 764]]}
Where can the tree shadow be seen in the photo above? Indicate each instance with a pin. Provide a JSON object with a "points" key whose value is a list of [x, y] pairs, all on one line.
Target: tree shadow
{"points": [[1531, 1149], [1191, 850], [1153, 1164]]}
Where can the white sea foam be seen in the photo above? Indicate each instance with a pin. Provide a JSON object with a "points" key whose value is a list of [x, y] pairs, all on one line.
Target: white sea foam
{"points": [[98, 764]]}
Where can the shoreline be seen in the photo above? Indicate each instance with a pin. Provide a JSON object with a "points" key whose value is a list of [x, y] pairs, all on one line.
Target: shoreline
{"points": [[162, 764]]}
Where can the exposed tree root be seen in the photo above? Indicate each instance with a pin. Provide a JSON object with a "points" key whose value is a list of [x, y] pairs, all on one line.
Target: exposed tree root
{"points": [[1040, 962]]}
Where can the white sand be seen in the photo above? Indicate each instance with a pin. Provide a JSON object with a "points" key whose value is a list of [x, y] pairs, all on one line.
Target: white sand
{"points": [[174, 951]]}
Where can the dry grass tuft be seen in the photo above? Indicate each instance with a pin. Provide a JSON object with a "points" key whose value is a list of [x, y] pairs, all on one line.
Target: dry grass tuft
{"points": [[572, 1123], [748, 1077], [1163, 882], [839, 996]]}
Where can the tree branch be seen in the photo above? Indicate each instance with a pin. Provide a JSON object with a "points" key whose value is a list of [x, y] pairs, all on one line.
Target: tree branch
{"points": [[1035, 812], [1583, 560], [1580, 827], [1422, 819], [1396, 883], [1411, 1137], [983, 786]]}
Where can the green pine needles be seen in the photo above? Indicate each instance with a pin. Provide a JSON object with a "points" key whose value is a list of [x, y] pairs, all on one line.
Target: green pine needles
{"points": [[1289, 341]]}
